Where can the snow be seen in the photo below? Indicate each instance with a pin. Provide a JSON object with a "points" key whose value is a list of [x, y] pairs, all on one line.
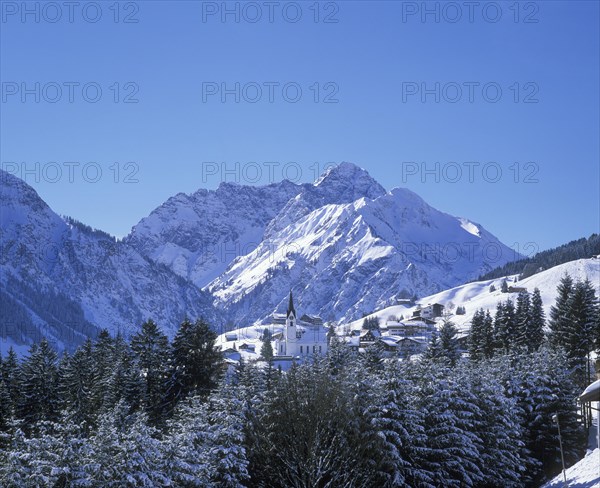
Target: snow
{"points": [[470, 227], [592, 392], [476, 295], [344, 259]]}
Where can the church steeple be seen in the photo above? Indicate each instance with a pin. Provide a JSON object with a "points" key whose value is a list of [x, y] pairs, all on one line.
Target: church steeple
{"points": [[291, 308]]}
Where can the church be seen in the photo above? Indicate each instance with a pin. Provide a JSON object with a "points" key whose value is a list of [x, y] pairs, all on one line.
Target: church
{"points": [[300, 338]]}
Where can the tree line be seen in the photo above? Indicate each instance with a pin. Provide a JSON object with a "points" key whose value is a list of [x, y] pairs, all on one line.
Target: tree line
{"points": [[579, 249], [150, 412]]}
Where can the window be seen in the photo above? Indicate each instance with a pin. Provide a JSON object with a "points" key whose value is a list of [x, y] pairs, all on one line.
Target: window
{"points": [[300, 349], [319, 348]]}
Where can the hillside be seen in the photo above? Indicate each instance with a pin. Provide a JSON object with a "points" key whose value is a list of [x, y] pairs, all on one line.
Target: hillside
{"points": [[477, 294]]}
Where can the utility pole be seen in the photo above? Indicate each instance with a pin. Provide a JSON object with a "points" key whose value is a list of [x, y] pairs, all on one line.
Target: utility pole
{"points": [[562, 455]]}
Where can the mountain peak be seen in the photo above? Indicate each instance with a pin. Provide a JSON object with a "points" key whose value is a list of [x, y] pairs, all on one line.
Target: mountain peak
{"points": [[351, 180]]}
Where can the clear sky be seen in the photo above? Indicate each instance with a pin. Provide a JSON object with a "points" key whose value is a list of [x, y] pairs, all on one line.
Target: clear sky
{"points": [[488, 110]]}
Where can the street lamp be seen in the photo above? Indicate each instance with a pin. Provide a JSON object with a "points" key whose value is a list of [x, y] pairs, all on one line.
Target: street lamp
{"points": [[562, 455]]}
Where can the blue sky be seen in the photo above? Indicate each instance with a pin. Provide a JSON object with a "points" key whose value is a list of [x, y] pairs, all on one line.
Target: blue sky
{"points": [[369, 63]]}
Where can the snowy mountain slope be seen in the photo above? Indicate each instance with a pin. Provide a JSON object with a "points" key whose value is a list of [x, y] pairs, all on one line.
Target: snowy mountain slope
{"points": [[343, 244], [344, 183], [343, 260], [63, 280], [474, 296], [198, 235]]}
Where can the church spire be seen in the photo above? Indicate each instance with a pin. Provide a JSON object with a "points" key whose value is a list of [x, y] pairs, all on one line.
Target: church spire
{"points": [[290, 308]]}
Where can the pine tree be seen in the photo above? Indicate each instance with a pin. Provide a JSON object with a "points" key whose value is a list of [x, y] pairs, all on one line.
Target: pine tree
{"points": [[195, 362], [452, 446], [488, 345], [499, 430], [544, 389], [38, 385], [150, 348], [266, 350], [105, 358], [559, 313], [522, 318], [77, 377], [476, 336], [499, 333], [582, 306], [449, 342], [434, 349], [537, 322], [400, 428], [504, 286], [505, 328], [6, 412], [124, 451], [9, 372]]}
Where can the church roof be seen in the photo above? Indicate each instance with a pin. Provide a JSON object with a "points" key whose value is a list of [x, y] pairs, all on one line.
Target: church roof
{"points": [[290, 308]]}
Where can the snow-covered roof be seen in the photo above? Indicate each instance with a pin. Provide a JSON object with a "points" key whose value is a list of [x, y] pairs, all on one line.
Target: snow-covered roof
{"points": [[591, 393]]}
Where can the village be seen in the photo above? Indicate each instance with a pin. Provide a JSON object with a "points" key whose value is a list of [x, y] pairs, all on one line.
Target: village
{"points": [[295, 339]]}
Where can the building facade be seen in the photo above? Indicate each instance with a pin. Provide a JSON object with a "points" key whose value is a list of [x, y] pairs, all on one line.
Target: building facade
{"points": [[300, 339]]}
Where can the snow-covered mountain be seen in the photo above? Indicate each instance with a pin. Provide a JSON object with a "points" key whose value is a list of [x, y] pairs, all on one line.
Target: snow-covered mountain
{"points": [[346, 247], [63, 280], [198, 235], [476, 295], [343, 244]]}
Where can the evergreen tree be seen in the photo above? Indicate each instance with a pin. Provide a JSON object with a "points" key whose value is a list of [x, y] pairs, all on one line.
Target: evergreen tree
{"points": [[504, 286], [38, 385], [545, 388], [195, 362], [452, 449], [266, 350], [434, 349], [499, 430], [449, 342], [476, 336], [371, 323], [124, 451], [522, 318], [150, 348], [6, 412], [505, 328], [582, 306], [105, 358], [537, 322], [488, 344], [400, 428], [9, 372], [125, 383], [559, 313], [77, 377]]}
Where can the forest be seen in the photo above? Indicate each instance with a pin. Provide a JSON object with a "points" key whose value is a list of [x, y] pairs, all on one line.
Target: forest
{"points": [[147, 411]]}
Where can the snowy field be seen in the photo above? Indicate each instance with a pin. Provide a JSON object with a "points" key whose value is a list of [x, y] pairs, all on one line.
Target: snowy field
{"points": [[476, 295]]}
